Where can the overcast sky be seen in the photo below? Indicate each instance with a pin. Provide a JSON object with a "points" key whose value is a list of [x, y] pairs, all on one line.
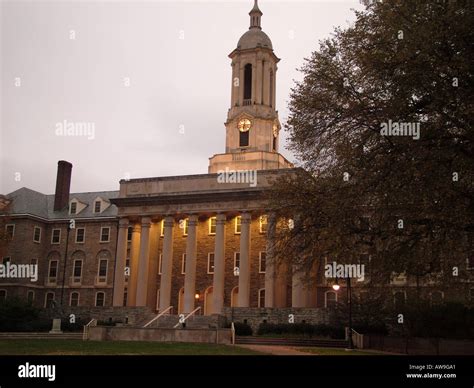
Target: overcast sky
{"points": [[152, 77]]}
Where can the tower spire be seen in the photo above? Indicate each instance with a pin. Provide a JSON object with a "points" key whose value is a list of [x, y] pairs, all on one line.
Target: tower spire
{"points": [[255, 16]]}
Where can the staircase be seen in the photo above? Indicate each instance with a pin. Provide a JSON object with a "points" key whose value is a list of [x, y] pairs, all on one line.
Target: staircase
{"points": [[43, 335], [168, 321], [322, 343]]}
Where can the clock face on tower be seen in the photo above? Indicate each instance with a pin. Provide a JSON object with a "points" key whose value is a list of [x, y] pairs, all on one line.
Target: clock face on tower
{"points": [[244, 125]]}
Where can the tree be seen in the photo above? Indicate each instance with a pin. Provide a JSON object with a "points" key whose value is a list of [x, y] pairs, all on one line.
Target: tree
{"points": [[406, 199]]}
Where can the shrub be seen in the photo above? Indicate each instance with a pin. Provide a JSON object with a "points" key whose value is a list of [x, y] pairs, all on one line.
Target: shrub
{"points": [[242, 328]]}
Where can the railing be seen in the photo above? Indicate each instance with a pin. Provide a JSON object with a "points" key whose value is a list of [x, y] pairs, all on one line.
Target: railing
{"points": [[183, 319], [159, 315], [247, 102], [85, 334], [232, 333], [357, 339]]}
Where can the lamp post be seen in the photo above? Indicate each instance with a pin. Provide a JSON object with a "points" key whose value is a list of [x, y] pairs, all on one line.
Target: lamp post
{"points": [[336, 288]]}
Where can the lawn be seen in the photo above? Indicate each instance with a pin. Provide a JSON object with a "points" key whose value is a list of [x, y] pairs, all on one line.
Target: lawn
{"points": [[78, 347], [338, 352]]}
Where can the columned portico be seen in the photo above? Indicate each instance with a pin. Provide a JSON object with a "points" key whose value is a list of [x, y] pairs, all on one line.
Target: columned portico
{"points": [[119, 279], [167, 265], [244, 269], [142, 278], [219, 264], [190, 266]]}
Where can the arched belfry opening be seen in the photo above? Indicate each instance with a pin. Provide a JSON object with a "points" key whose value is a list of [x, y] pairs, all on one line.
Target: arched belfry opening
{"points": [[248, 84]]}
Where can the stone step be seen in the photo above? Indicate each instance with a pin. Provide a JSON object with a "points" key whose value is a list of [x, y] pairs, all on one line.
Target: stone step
{"points": [[197, 321], [325, 343], [41, 335]]}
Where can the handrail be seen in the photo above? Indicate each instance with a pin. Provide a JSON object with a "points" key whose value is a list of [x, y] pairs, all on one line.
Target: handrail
{"points": [[186, 317], [355, 332], [159, 315], [232, 333], [85, 333]]}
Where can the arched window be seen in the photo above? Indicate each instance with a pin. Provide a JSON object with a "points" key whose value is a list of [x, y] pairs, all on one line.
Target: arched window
{"points": [[49, 299], [247, 84], [74, 299], [30, 296], [330, 299], [244, 139], [100, 299]]}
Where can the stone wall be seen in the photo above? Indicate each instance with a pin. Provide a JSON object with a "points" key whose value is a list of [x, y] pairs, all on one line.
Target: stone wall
{"points": [[255, 316], [218, 336]]}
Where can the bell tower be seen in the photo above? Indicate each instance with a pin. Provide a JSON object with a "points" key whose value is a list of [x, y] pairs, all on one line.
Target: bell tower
{"points": [[252, 126]]}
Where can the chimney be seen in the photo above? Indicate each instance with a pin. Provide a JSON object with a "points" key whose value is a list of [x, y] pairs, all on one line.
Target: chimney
{"points": [[63, 185]]}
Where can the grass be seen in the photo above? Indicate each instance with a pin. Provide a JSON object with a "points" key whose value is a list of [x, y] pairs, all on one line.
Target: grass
{"points": [[78, 347], [338, 352]]}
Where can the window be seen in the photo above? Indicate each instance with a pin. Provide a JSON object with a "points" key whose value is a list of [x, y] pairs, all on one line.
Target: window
{"points": [[244, 139], [97, 206], [238, 224], [80, 235], [248, 82], [30, 296], [330, 299], [100, 299], [263, 224], [184, 225], [37, 234], [6, 260], [183, 264], [437, 297], [262, 262], [105, 234], [212, 225], [10, 231], [236, 263], [49, 299], [77, 270], [103, 268], [74, 299], [129, 233], [210, 262], [399, 298], [53, 270], [3, 295], [56, 236], [470, 262], [261, 297], [160, 264], [162, 228], [73, 208]]}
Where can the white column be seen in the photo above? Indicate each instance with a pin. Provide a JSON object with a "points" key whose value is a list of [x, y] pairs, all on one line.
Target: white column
{"points": [[190, 266], [119, 277], [270, 263], [244, 269], [134, 253], [219, 265], [166, 265], [142, 278]]}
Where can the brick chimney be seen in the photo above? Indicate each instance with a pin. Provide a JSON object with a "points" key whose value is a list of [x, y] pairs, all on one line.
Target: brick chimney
{"points": [[63, 185]]}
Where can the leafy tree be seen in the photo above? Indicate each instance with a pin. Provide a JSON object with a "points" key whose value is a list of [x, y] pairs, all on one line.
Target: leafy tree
{"points": [[405, 200]]}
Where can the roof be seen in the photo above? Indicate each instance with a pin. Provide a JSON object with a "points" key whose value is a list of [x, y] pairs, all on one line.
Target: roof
{"points": [[27, 201]]}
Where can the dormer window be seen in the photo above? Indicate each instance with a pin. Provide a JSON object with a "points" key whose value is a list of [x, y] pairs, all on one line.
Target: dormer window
{"points": [[97, 206], [73, 208]]}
